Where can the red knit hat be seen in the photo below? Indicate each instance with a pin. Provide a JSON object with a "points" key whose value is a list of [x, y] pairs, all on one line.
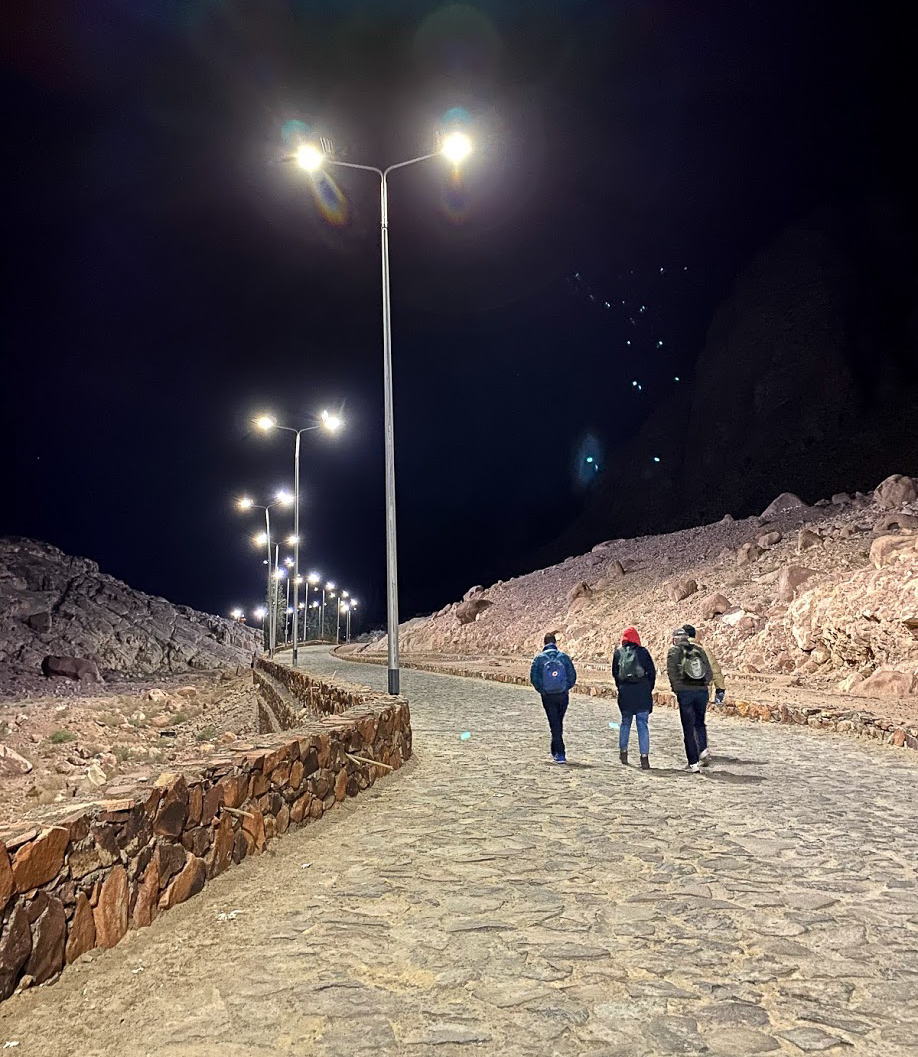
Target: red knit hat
{"points": [[630, 635]]}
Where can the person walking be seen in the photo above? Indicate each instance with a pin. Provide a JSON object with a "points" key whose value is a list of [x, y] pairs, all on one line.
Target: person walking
{"points": [[690, 675], [717, 675], [635, 676], [553, 674]]}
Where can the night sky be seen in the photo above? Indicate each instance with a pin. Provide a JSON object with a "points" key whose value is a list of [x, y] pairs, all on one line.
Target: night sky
{"points": [[170, 275]]}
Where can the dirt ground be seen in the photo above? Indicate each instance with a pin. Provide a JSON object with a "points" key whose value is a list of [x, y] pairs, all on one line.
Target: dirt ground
{"points": [[81, 738]]}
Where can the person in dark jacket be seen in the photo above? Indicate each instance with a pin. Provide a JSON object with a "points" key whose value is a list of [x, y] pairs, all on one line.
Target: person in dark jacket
{"points": [[690, 675], [635, 676], [553, 674]]}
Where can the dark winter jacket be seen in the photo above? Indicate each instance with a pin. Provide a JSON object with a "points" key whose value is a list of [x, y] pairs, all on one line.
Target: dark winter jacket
{"points": [[674, 668], [552, 652], [635, 697]]}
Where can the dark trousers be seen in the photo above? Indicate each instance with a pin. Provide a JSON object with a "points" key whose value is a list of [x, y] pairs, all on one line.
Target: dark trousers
{"points": [[555, 706], [692, 707]]}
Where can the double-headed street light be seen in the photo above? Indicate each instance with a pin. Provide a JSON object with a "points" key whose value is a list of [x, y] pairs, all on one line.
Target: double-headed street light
{"points": [[281, 498], [331, 422], [311, 157]]}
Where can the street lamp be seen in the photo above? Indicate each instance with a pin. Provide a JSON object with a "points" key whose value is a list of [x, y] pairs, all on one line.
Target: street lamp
{"points": [[237, 614], [330, 587], [331, 422], [311, 157], [282, 498]]}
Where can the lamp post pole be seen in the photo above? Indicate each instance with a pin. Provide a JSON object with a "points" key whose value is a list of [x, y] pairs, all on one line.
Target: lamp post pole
{"points": [[455, 147]]}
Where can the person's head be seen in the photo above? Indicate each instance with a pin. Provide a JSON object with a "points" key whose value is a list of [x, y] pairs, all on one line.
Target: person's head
{"points": [[680, 637], [689, 630], [630, 637], [550, 639]]}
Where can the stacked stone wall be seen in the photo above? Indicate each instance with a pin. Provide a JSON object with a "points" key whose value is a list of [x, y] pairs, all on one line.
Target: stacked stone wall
{"points": [[81, 879]]}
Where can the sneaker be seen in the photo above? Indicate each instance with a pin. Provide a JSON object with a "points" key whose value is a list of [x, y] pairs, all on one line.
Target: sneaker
{"points": [[705, 760], [695, 768], [560, 758], [623, 756], [645, 763]]}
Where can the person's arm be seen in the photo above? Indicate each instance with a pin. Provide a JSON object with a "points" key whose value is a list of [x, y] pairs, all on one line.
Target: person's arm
{"points": [[615, 657], [672, 666], [535, 672], [717, 674], [571, 670], [650, 670]]}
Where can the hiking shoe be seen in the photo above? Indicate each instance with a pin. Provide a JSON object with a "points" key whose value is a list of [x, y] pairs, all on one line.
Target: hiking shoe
{"points": [[705, 760], [560, 758], [695, 768], [645, 763], [623, 756]]}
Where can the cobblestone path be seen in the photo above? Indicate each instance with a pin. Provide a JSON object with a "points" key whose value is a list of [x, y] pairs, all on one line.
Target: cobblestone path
{"points": [[485, 900]]}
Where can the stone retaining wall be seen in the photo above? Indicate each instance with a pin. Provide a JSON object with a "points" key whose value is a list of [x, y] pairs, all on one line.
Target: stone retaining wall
{"points": [[81, 879], [288, 696], [854, 722]]}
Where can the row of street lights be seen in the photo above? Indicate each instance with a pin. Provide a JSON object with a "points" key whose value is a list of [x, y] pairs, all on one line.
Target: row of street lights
{"points": [[345, 606]]}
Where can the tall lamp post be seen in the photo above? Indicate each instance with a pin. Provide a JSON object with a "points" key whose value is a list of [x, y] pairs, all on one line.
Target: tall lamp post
{"points": [[312, 578], [282, 498], [455, 147], [330, 587], [327, 421]]}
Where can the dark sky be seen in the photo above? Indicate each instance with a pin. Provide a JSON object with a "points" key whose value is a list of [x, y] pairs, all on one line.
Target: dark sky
{"points": [[170, 275]]}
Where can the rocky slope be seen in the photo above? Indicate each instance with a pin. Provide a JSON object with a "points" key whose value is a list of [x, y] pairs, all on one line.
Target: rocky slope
{"points": [[805, 382], [828, 593], [52, 603]]}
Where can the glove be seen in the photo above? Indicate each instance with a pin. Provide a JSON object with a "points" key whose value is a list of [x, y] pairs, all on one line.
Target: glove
{"points": [[719, 696]]}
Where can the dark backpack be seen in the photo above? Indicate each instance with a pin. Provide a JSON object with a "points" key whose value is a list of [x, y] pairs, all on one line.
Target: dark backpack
{"points": [[630, 669], [693, 664], [554, 675]]}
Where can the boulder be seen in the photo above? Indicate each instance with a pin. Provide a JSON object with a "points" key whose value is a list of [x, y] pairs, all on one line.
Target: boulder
{"points": [[841, 499], [769, 539], [747, 626], [748, 553], [468, 612], [12, 763], [896, 522], [679, 590], [895, 492], [888, 550], [791, 579], [785, 503], [713, 605], [40, 622], [472, 591], [888, 682], [579, 590], [71, 668], [807, 540]]}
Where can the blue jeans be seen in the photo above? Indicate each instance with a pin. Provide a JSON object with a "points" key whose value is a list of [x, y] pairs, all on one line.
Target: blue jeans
{"points": [[693, 704], [555, 706], [643, 732]]}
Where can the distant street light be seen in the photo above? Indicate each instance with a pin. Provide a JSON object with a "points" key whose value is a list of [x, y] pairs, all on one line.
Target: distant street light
{"points": [[237, 614], [310, 157], [281, 498], [331, 422]]}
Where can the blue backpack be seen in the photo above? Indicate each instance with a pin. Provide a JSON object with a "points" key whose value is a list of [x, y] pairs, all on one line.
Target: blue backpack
{"points": [[554, 676]]}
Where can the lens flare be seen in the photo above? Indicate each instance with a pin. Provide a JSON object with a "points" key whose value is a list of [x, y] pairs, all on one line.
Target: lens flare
{"points": [[329, 199]]}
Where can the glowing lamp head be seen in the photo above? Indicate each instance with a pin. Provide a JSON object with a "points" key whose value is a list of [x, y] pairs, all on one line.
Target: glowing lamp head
{"points": [[244, 503], [456, 147], [309, 157], [329, 586], [279, 574], [265, 422], [288, 562], [261, 539], [314, 578], [237, 614], [284, 497], [261, 613], [291, 540], [331, 421]]}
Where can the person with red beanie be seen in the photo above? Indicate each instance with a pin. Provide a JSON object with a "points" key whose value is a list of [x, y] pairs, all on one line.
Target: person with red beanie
{"points": [[634, 674]]}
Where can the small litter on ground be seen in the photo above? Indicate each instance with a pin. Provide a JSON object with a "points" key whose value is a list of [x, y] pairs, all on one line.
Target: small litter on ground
{"points": [[613, 726], [465, 735], [305, 865], [228, 915]]}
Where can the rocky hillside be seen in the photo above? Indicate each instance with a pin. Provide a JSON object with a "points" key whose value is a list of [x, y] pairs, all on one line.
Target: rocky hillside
{"points": [[51, 603], [806, 382], [827, 592]]}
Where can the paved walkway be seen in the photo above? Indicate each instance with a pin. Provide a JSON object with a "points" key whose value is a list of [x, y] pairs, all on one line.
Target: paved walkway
{"points": [[485, 900]]}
